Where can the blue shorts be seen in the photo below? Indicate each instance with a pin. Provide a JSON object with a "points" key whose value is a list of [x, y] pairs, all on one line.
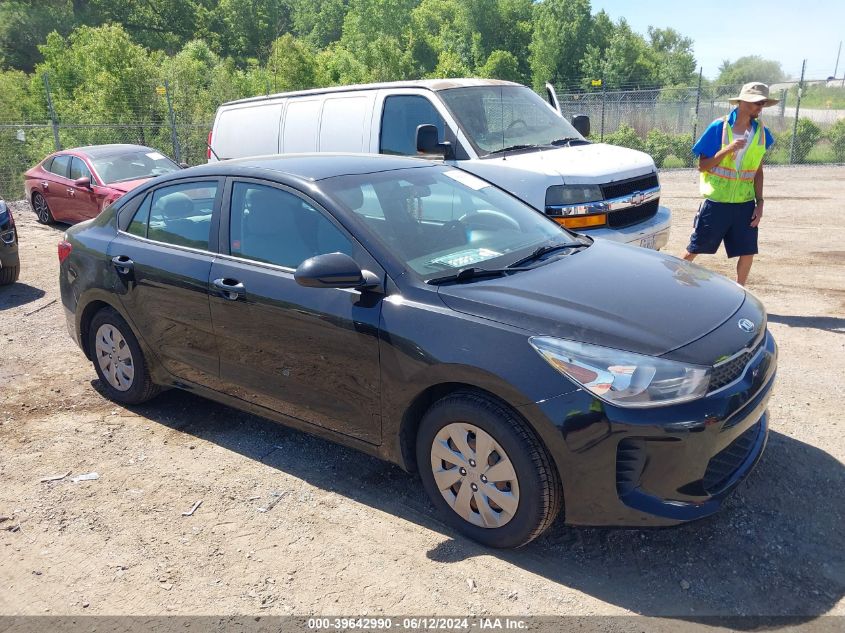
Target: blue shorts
{"points": [[716, 222]]}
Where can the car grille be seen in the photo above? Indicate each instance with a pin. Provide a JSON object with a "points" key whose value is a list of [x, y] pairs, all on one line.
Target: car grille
{"points": [[632, 215], [630, 461], [626, 187], [726, 462], [726, 372]]}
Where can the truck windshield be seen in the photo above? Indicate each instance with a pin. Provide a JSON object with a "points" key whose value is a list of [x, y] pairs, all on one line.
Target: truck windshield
{"points": [[496, 118]]}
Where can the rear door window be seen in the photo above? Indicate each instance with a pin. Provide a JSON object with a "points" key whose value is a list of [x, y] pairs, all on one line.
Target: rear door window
{"points": [[400, 119], [60, 165], [179, 214]]}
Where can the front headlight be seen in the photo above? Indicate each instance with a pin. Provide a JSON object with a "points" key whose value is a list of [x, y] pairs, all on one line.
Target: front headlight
{"points": [[623, 378], [572, 194]]}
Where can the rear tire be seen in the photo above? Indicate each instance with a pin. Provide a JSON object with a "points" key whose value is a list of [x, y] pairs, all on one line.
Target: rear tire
{"points": [[486, 471], [9, 275], [42, 209], [118, 359]]}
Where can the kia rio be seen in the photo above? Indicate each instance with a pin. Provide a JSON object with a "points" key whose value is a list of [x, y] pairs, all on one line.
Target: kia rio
{"points": [[420, 314]]}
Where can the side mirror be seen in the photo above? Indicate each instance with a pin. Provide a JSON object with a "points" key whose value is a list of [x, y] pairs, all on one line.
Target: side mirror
{"points": [[183, 165], [581, 122], [334, 270], [84, 182], [428, 142]]}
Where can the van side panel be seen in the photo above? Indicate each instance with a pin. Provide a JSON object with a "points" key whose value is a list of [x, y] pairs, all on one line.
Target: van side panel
{"points": [[346, 124], [248, 130], [301, 124]]}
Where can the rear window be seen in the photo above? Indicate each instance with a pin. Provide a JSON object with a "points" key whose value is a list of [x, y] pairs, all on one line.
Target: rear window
{"points": [[60, 165], [178, 215]]}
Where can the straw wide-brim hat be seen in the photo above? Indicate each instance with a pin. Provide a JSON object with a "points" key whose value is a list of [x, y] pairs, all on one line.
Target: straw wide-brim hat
{"points": [[755, 92]]}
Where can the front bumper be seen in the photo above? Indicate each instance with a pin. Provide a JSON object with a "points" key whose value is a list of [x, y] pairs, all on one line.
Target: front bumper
{"points": [[660, 466], [652, 233]]}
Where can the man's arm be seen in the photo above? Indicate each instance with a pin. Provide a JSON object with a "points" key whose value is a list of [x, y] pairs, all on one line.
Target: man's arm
{"points": [[758, 195], [705, 163]]}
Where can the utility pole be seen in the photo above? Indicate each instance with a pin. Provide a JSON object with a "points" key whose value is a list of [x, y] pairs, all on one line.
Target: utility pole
{"points": [[836, 68], [697, 103], [53, 119]]}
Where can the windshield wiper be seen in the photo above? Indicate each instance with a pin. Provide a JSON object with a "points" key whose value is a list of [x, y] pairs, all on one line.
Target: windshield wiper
{"points": [[546, 249], [512, 148], [568, 140], [467, 274]]}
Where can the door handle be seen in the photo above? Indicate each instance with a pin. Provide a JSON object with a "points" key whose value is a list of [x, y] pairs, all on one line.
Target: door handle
{"points": [[123, 264], [71, 193], [45, 185], [231, 289]]}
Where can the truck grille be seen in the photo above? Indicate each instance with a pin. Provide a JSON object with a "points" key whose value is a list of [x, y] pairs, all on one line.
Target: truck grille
{"points": [[725, 463], [626, 187], [632, 215]]}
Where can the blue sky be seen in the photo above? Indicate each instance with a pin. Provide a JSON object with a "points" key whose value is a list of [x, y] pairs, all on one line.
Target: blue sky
{"points": [[786, 31]]}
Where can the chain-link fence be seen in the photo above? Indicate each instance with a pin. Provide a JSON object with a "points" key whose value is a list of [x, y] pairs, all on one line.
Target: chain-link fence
{"points": [[808, 123]]}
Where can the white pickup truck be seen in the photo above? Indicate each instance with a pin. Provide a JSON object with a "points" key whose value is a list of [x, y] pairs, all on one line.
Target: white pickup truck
{"points": [[498, 130]]}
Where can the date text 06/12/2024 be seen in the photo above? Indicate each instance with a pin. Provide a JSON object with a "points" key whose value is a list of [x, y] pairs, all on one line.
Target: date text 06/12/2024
{"points": [[416, 623]]}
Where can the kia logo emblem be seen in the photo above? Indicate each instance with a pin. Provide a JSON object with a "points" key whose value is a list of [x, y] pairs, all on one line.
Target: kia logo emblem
{"points": [[745, 325]]}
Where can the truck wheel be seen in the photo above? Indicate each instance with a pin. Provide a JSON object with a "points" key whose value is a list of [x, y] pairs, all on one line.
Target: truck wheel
{"points": [[9, 275]]}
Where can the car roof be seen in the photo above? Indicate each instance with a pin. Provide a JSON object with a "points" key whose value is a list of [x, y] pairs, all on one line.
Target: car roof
{"points": [[427, 84], [312, 167], [102, 151]]}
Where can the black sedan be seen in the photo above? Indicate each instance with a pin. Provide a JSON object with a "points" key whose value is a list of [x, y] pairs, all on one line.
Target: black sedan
{"points": [[10, 264], [420, 314]]}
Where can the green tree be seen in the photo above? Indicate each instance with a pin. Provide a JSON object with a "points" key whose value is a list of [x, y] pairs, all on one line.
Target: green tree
{"points": [[292, 65], [836, 134], [336, 66], [24, 24], [558, 42], [750, 68], [628, 60], [674, 57], [248, 28], [501, 65]]}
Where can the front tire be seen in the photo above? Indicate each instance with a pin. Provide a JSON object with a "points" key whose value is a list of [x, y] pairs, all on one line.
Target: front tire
{"points": [[118, 359], [42, 209], [486, 471], [9, 275]]}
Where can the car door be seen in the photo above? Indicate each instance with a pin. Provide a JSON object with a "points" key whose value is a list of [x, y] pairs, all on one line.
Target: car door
{"points": [[310, 353], [163, 260], [83, 202], [54, 188]]}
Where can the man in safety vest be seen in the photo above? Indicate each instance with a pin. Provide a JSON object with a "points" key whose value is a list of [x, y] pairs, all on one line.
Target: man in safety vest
{"points": [[730, 159]]}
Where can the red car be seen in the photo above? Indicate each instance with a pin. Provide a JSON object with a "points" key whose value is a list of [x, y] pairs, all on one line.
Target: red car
{"points": [[76, 184]]}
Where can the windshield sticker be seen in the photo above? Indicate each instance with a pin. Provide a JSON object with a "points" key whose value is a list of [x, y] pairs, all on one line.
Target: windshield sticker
{"points": [[467, 179], [465, 258], [155, 155]]}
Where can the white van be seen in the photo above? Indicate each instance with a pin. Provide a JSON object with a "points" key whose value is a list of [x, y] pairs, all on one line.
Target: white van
{"points": [[498, 130]]}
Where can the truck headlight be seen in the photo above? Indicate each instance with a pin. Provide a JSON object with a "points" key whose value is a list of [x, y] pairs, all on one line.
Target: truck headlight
{"points": [[572, 194], [623, 378]]}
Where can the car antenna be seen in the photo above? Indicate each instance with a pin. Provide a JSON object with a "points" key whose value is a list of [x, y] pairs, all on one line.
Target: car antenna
{"points": [[211, 149]]}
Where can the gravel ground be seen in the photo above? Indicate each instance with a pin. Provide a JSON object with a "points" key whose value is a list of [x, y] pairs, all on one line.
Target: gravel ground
{"points": [[351, 535]]}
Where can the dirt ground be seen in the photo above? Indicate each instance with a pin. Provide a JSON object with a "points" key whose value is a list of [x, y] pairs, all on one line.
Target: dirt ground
{"points": [[350, 535]]}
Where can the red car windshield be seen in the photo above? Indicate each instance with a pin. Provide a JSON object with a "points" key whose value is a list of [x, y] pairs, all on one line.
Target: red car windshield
{"points": [[133, 166]]}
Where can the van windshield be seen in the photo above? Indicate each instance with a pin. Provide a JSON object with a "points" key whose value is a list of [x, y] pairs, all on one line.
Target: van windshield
{"points": [[440, 219], [495, 118]]}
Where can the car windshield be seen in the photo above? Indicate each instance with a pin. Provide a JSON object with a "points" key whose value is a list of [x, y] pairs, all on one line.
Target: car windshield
{"points": [[440, 220], [133, 165], [495, 118]]}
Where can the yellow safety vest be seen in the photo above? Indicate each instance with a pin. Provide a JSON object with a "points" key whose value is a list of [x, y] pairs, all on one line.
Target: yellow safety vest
{"points": [[726, 183]]}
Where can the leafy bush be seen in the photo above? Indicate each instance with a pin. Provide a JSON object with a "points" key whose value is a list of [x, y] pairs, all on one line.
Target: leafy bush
{"points": [[625, 136], [836, 135], [673, 162], [807, 135]]}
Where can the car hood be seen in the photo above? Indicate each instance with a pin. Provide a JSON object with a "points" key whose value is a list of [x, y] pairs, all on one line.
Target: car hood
{"points": [[127, 185], [609, 294], [593, 163]]}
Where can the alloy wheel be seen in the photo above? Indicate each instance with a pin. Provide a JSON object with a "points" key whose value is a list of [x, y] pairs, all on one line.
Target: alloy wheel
{"points": [[114, 357], [42, 211], [474, 475]]}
